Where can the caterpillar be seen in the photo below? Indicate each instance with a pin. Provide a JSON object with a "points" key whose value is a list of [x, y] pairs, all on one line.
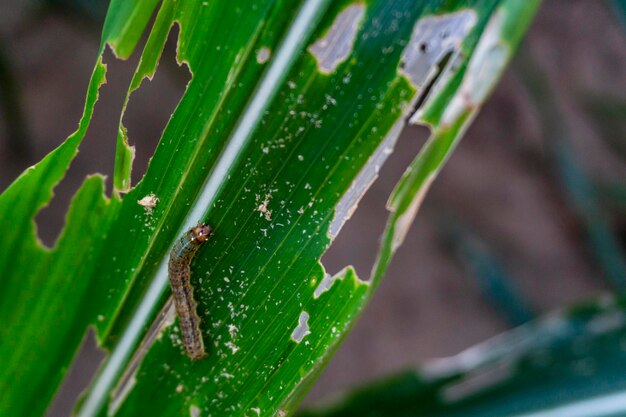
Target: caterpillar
{"points": [[179, 273]]}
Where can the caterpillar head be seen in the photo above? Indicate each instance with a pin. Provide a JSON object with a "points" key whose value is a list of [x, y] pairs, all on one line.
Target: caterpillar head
{"points": [[201, 232]]}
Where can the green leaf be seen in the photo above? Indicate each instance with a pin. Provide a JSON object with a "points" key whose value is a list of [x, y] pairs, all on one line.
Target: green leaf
{"points": [[570, 363], [40, 303], [290, 111], [498, 288], [619, 9]]}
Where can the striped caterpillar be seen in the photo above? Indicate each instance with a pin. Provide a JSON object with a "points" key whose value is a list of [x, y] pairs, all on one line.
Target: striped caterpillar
{"points": [[179, 272]]}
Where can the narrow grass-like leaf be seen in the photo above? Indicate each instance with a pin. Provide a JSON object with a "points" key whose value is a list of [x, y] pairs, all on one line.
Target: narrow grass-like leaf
{"points": [[578, 187], [497, 285], [570, 363], [291, 109]]}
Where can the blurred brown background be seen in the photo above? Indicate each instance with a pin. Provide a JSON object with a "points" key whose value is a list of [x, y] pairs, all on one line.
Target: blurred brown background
{"points": [[528, 215]]}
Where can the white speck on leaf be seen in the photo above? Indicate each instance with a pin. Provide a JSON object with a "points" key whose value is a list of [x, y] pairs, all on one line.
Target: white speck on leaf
{"points": [[263, 55], [233, 348], [149, 202], [262, 208]]}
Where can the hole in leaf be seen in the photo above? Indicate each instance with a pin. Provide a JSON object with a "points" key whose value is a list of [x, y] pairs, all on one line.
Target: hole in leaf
{"points": [[97, 151], [152, 104], [358, 242], [84, 367], [441, 67]]}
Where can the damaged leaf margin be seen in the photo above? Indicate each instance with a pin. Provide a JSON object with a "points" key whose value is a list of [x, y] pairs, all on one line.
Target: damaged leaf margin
{"points": [[320, 281], [452, 104], [330, 313], [568, 363]]}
